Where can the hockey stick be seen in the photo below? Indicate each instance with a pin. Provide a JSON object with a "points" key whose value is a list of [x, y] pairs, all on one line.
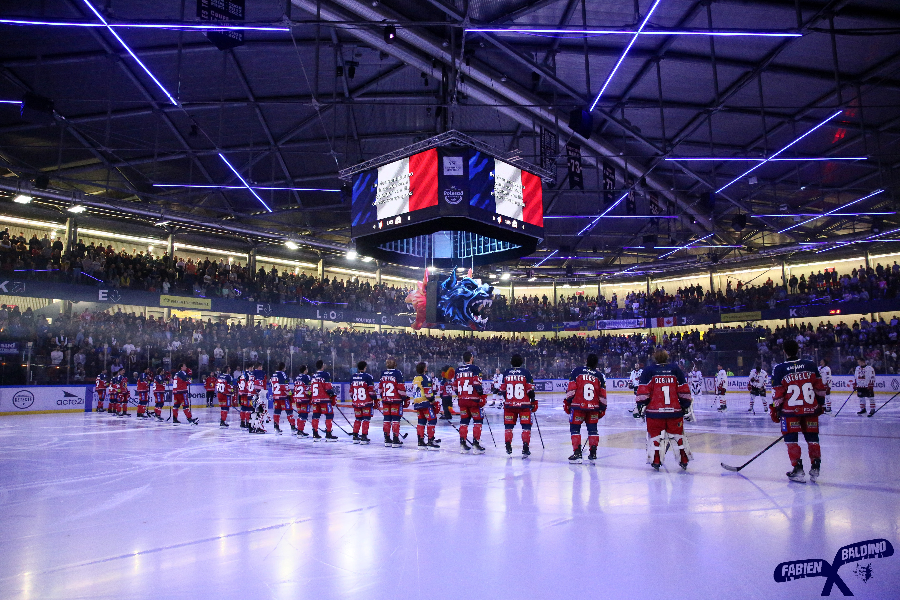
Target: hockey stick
{"points": [[539, 431], [491, 431], [883, 405], [737, 469], [402, 435], [459, 432], [844, 404], [345, 418], [171, 404]]}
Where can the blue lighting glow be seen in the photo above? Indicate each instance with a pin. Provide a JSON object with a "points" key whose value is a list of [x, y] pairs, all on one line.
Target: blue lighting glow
{"points": [[174, 26], [241, 187], [688, 245], [244, 181], [612, 206], [546, 258], [542, 30], [831, 212]]}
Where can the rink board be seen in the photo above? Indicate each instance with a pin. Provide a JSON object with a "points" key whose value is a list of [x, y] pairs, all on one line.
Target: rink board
{"points": [[16, 400]]}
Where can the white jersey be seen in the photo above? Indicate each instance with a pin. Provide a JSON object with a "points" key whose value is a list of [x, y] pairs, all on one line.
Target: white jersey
{"points": [[695, 378], [498, 379], [758, 378], [825, 374], [721, 380], [635, 378], [864, 377]]}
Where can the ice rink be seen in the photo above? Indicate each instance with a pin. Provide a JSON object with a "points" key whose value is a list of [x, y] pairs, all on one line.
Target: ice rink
{"points": [[103, 507]]}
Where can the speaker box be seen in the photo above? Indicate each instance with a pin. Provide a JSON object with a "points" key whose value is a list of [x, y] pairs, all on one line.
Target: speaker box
{"points": [[581, 122]]}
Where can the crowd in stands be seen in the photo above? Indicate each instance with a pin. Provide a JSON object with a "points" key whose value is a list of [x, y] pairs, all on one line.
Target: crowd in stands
{"points": [[94, 264], [75, 348]]}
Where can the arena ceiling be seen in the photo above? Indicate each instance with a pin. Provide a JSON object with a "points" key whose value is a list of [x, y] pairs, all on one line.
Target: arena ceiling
{"points": [[136, 108]]}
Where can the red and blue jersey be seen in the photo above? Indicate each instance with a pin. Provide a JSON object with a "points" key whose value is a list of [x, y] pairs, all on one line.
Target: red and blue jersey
{"points": [[281, 385], [224, 384], [391, 386], [301, 388], [101, 382], [664, 390], [320, 386], [586, 389], [258, 380], [468, 383], [159, 383], [143, 382], [182, 381], [445, 387], [797, 387], [362, 390], [515, 387]]}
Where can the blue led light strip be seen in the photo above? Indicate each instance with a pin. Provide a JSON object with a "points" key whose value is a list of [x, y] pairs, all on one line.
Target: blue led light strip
{"points": [[687, 245], [774, 156], [546, 258], [244, 181], [594, 222], [625, 53], [210, 26], [831, 212], [542, 30], [133, 55]]}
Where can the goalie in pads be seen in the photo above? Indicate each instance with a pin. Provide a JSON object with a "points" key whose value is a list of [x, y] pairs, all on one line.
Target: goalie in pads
{"points": [[664, 395]]}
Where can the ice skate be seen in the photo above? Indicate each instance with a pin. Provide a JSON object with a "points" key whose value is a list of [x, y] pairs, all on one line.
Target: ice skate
{"points": [[397, 442], [433, 445], [872, 413], [223, 424], [509, 448], [862, 411], [277, 429], [175, 421], [525, 451], [387, 441], [355, 438], [293, 428], [592, 455], [575, 459], [302, 434], [364, 439], [477, 448], [422, 445], [797, 474], [194, 421], [329, 437], [316, 436], [244, 425], [814, 469], [464, 447]]}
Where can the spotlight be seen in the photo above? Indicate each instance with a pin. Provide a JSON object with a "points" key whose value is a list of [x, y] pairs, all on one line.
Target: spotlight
{"points": [[351, 254], [291, 245], [504, 277], [76, 208], [390, 34], [22, 199]]}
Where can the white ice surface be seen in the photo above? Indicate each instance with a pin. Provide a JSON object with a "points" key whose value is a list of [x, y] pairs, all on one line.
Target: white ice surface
{"points": [[99, 507]]}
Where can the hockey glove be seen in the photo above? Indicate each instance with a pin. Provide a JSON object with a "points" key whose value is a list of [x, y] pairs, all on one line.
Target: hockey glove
{"points": [[534, 405], [567, 406], [689, 414], [482, 402], [820, 407], [405, 402], [774, 414]]}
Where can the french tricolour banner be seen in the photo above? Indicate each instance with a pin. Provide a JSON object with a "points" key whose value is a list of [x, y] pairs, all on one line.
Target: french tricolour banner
{"points": [[406, 185], [517, 194]]}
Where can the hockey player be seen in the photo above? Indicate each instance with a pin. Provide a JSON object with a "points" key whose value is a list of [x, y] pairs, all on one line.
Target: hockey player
{"points": [[633, 382], [244, 390], [143, 392], [825, 374], [445, 387], [519, 403], [393, 399], [471, 396], [666, 397], [224, 391], [585, 402], [322, 397], [798, 398], [695, 380], [281, 397], [259, 414], [362, 395], [302, 393], [864, 381], [100, 385], [160, 383], [497, 397], [209, 384], [260, 384], [721, 387], [426, 407], [757, 386], [121, 394], [181, 395]]}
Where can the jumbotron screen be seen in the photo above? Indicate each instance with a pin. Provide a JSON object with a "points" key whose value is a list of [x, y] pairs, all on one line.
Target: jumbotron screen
{"points": [[447, 189]]}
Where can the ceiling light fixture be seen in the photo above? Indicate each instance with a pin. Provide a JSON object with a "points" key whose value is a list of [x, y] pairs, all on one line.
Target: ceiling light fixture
{"points": [[211, 26], [720, 33], [291, 245], [546, 258], [23, 199], [868, 239], [504, 277], [240, 187], [390, 34], [625, 53], [131, 52], [10, 102], [830, 212], [612, 206], [757, 159], [774, 156], [686, 245], [859, 214], [244, 181], [77, 209], [351, 255]]}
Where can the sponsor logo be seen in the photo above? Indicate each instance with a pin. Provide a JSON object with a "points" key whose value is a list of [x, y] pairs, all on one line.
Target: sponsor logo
{"points": [[895, 385], [329, 315], [860, 551], [453, 195], [453, 165], [23, 399], [70, 399], [539, 327], [364, 320]]}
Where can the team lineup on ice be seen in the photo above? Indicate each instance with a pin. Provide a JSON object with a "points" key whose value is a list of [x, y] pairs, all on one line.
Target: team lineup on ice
{"points": [[664, 399]]}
